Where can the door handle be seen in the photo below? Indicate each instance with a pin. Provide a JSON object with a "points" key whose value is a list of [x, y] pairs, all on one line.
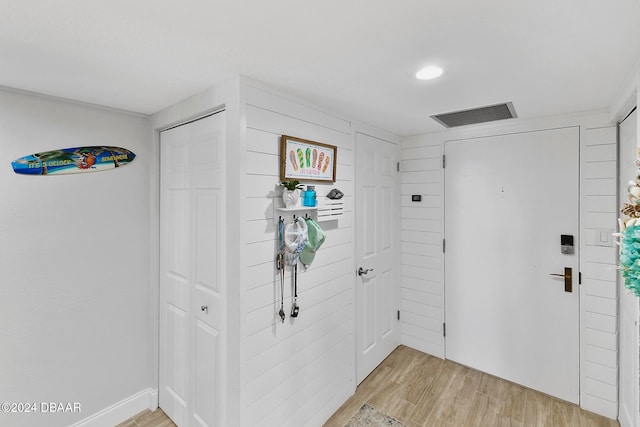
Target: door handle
{"points": [[362, 271], [568, 278]]}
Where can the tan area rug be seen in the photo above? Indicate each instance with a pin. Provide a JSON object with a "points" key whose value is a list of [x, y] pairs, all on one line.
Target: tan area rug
{"points": [[368, 416]]}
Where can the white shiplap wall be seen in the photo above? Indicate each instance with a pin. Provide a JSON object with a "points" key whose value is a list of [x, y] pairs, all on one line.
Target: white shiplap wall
{"points": [[421, 258], [599, 324], [296, 373]]}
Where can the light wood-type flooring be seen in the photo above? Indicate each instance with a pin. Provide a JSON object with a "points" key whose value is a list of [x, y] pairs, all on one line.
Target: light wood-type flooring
{"points": [[147, 418], [423, 391]]}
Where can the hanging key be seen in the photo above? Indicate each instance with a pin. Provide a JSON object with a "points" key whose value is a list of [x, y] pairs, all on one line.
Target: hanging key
{"points": [[282, 315], [294, 310]]}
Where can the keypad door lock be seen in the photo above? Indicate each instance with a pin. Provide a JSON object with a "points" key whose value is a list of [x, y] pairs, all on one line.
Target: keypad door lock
{"points": [[566, 244]]}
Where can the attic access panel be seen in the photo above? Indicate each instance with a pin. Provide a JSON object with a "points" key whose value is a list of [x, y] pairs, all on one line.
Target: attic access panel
{"points": [[476, 115]]}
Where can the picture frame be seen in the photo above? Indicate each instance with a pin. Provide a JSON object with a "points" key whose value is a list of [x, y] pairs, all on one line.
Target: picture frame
{"points": [[306, 160]]}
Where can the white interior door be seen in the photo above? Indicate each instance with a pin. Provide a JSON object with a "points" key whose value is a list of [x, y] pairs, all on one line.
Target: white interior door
{"points": [[508, 199], [628, 303], [192, 296], [376, 212]]}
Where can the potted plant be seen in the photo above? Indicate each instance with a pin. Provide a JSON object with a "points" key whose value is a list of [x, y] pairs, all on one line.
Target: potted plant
{"points": [[291, 192]]}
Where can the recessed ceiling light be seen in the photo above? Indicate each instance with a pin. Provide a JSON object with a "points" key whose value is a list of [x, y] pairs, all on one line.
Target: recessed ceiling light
{"points": [[429, 72]]}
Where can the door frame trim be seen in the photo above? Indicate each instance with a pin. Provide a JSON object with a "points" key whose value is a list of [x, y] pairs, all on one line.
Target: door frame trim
{"points": [[178, 114], [224, 399], [396, 261]]}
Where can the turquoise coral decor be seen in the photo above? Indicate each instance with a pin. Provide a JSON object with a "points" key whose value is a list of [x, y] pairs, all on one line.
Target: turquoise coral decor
{"points": [[630, 256], [630, 236]]}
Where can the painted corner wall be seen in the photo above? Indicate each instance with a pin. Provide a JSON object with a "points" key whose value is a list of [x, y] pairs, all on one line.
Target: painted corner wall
{"points": [[74, 257]]}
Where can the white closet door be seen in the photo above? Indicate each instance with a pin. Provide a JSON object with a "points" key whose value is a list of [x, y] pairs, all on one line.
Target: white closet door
{"points": [[192, 296]]}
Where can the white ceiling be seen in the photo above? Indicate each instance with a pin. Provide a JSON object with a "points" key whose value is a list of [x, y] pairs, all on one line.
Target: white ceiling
{"points": [[357, 57]]}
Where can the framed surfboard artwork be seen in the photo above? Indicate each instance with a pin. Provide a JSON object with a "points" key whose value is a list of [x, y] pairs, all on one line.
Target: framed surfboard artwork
{"points": [[73, 160], [306, 160]]}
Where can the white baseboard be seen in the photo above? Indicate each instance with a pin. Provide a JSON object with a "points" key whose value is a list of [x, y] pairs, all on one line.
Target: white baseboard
{"points": [[123, 410]]}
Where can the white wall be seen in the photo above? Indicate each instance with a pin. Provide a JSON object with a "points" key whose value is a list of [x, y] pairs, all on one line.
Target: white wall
{"points": [[598, 293], [74, 254], [296, 373], [421, 233], [421, 243]]}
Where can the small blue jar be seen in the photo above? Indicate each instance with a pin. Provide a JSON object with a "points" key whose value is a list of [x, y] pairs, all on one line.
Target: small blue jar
{"points": [[309, 196]]}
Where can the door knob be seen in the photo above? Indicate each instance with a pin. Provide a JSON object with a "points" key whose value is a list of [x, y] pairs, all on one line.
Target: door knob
{"points": [[362, 271], [205, 308], [568, 278]]}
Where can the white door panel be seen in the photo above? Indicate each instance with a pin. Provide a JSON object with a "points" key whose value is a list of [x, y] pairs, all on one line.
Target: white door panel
{"points": [[509, 198], [376, 248], [205, 377], [192, 305]]}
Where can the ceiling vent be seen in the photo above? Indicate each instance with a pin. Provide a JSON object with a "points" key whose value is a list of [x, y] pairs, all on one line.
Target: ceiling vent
{"points": [[476, 115]]}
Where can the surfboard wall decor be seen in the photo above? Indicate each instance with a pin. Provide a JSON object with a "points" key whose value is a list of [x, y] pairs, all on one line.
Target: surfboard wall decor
{"points": [[73, 160]]}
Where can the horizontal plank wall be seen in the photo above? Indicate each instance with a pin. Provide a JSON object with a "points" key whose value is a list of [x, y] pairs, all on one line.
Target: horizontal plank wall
{"points": [[421, 257], [298, 372], [599, 213]]}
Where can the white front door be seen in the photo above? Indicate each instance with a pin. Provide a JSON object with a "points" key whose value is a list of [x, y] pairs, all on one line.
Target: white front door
{"points": [[376, 213], [629, 408], [508, 200], [192, 296]]}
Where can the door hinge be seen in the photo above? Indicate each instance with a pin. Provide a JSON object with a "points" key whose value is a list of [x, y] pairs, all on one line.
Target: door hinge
{"points": [[444, 329], [398, 314], [444, 161], [398, 166], [444, 245], [579, 277]]}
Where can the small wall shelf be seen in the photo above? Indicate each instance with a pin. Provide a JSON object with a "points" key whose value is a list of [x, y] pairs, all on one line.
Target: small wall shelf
{"points": [[329, 209], [279, 210], [297, 209], [326, 210]]}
